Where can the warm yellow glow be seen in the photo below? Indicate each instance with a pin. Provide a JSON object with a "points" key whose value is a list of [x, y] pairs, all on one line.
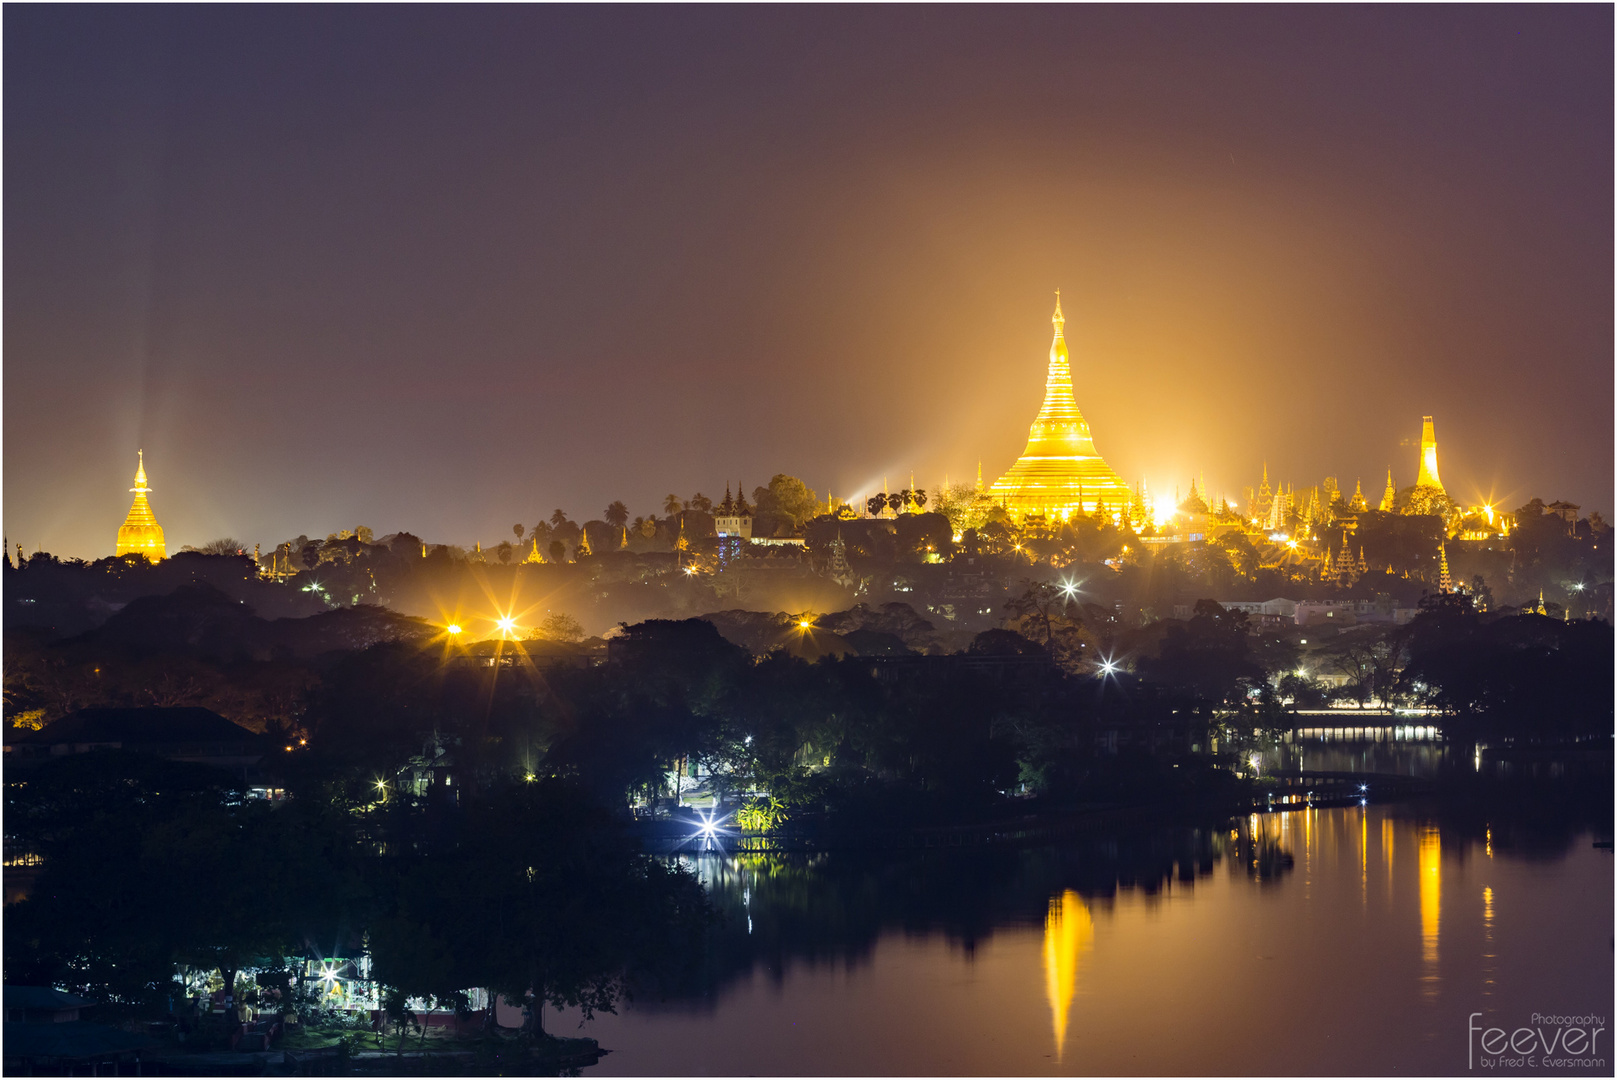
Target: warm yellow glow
{"points": [[1068, 931], [453, 628], [804, 624], [506, 625], [140, 534], [1431, 888], [1428, 456], [1060, 470]]}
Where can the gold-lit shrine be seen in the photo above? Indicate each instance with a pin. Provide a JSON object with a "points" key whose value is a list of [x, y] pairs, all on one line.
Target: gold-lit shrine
{"points": [[1060, 472], [140, 534], [1428, 456]]}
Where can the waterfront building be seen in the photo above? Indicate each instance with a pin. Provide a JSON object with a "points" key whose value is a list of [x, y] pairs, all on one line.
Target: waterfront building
{"points": [[1060, 472], [140, 534]]}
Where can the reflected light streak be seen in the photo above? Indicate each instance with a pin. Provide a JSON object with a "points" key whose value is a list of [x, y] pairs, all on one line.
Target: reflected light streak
{"points": [[1386, 851], [1488, 954], [1431, 884], [1068, 931], [1364, 858]]}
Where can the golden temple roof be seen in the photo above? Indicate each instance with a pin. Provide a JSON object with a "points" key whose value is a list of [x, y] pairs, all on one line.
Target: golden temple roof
{"points": [[140, 534], [1060, 471]]}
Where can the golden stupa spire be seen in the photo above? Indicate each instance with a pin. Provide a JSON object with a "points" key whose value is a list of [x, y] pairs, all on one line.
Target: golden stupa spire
{"points": [[1428, 456], [140, 534], [1060, 457]]}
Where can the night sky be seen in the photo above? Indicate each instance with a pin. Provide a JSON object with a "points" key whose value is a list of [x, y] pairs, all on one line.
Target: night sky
{"points": [[446, 269]]}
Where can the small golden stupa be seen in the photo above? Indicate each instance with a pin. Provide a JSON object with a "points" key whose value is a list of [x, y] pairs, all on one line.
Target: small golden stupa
{"points": [[1060, 472], [140, 534]]}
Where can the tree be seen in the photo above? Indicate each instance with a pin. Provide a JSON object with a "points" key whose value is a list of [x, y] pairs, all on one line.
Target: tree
{"points": [[559, 626], [569, 907], [503, 551], [672, 505], [519, 530], [558, 551], [224, 546], [1207, 656], [616, 515], [558, 518], [701, 502], [876, 504], [787, 497]]}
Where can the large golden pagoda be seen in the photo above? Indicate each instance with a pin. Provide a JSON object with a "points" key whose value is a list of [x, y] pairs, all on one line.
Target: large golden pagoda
{"points": [[1060, 471], [1428, 456], [140, 534]]}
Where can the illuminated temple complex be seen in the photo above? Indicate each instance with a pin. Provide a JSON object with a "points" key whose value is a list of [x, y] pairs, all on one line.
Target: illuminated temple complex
{"points": [[1060, 471], [140, 534]]}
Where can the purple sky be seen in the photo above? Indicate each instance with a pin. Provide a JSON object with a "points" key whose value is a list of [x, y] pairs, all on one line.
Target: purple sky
{"points": [[447, 269]]}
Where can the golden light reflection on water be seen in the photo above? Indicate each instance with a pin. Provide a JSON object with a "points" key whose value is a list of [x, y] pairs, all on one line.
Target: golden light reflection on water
{"points": [[1431, 887], [1364, 858], [1488, 955], [1068, 931], [1386, 851]]}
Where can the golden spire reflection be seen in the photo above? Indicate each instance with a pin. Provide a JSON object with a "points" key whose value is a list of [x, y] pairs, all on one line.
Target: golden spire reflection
{"points": [[1068, 931], [1431, 885]]}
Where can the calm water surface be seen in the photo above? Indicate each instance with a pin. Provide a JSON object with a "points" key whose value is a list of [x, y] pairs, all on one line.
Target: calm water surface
{"points": [[1327, 941]]}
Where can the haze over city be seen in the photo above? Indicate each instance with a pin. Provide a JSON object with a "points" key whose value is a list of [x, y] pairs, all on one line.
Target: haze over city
{"points": [[445, 271]]}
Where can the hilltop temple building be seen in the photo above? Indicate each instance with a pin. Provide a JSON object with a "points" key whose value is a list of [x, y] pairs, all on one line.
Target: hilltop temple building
{"points": [[140, 534], [1060, 472]]}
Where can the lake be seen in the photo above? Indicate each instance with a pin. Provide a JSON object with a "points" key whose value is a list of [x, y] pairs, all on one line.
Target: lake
{"points": [[1346, 940]]}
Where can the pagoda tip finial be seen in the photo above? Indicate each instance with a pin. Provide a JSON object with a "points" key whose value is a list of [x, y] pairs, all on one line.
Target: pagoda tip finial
{"points": [[1058, 318]]}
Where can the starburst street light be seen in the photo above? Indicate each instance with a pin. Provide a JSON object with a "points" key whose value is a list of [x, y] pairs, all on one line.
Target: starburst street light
{"points": [[452, 629], [708, 827], [507, 625]]}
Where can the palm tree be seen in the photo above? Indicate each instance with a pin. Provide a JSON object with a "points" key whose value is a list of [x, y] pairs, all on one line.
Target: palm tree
{"points": [[701, 502], [616, 515], [876, 504], [671, 505], [519, 530], [896, 501], [559, 518]]}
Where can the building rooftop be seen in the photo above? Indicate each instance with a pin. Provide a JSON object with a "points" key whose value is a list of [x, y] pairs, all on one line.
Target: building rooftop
{"points": [[141, 726]]}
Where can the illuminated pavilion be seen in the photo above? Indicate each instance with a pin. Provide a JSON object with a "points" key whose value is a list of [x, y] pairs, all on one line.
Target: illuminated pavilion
{"points": [[1060, 471], [140, 534]]}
